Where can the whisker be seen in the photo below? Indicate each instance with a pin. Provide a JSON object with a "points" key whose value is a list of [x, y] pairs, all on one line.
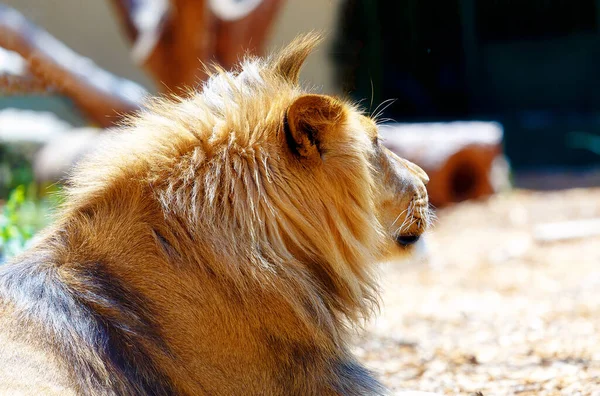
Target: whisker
{"points": [[415, 220], [412, 222], [431, 215], [408, 216], [386, 103], [383, 120], [383, 108], [401, 213]]}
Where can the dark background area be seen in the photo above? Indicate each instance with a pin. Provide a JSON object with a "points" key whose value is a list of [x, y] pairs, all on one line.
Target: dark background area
{"points": [[531, 65]]}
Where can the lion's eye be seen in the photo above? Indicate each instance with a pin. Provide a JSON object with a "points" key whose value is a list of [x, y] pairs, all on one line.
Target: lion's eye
{"points": [[406, 240]]}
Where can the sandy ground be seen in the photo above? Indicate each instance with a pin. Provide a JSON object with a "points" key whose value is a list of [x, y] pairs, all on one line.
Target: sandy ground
{"points": [[492, 309]]}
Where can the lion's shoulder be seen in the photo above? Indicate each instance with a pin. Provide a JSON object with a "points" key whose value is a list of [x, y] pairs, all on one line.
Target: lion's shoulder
{"points": [[87, 336]]}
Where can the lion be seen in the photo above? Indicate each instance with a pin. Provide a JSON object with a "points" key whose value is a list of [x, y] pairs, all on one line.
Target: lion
{"points": [[220, 243]]}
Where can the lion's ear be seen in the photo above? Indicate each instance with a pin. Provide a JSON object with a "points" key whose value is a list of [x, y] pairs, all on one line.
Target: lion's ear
{"points": [[289, 61], [310, 121]]}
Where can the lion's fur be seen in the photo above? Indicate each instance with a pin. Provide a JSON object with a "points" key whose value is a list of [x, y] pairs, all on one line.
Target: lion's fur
{"points": [[212, 246]]}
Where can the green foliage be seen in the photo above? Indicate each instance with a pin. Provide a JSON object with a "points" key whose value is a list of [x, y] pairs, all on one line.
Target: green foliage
{"points": [[20, 218], [15, 167]]}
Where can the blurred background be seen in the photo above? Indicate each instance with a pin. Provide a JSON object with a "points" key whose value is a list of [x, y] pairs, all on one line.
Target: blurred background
{"points": [[498, 100]]}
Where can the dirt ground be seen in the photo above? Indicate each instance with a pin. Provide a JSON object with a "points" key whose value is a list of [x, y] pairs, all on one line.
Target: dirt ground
{"points": [[491, 308]]}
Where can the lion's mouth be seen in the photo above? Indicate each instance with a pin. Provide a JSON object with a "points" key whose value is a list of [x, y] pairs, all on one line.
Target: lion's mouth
{"points": [[407, 240], [418, 220]]}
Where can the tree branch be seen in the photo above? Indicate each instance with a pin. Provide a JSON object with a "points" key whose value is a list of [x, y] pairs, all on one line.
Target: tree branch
{"points": [[101, 95], [172, 45]]}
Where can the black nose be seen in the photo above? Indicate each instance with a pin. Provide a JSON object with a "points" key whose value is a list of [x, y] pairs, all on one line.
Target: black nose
{"points": [[406, 240]]}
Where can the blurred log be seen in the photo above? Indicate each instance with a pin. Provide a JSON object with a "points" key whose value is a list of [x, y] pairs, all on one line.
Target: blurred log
{"points": [[459, 157], [11, 84], [15, 78], [175, 42], [186, 33], [99, 94], [242, 32]]}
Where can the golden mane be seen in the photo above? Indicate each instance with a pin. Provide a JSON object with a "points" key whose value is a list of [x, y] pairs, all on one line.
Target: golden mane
{"points": [[227, 193]]}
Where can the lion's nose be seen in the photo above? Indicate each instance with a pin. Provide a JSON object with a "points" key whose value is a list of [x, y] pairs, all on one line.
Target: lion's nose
{"points": [[415, 170]]}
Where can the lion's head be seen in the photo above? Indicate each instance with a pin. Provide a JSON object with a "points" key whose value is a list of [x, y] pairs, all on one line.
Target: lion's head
{"points": [[331, 138], [336, 154]]}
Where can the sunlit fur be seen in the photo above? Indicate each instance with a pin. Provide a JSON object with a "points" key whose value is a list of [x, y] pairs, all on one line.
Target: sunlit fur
{"points": [[214, 246]]}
